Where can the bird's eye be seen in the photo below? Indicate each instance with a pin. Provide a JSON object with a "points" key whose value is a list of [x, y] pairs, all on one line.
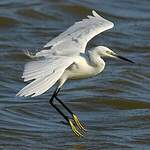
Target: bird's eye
{"points": [[108, 52]]}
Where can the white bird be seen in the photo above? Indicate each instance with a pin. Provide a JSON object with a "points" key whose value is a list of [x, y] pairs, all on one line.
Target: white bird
{"points": [[64, 58]]}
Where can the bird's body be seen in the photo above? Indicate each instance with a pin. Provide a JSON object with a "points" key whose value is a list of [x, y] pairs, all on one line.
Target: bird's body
{"points": [[64, 58], [84, 66]]}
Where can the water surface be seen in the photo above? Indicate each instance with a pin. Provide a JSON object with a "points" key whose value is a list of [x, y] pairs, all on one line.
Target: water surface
{"points": [[114, 106]]}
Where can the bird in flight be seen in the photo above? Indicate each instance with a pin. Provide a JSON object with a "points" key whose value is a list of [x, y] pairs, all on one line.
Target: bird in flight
{"points": [[64, 58]]}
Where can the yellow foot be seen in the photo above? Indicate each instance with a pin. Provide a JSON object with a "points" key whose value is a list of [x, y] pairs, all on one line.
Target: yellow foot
{"points": [[73, 128], [76, 120], [73, 123]]}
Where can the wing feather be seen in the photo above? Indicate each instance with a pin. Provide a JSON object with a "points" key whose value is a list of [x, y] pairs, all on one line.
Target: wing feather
{"points": [[40, 85], [45, 74], [41, 68], [59, 54], [74, 40]]}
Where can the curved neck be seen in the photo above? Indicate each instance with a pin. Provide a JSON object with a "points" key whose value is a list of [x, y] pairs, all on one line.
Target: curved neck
{"points": [[95, 59]]}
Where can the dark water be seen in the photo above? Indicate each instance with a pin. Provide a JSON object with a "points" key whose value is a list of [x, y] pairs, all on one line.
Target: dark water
{"points": [[114, 106]]}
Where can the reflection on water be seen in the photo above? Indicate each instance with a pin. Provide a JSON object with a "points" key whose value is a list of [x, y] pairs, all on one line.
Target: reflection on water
{"points": [[114, 106]]}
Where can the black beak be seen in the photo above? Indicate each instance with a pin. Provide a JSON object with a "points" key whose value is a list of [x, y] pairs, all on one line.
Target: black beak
{"points": [[123, 58]]}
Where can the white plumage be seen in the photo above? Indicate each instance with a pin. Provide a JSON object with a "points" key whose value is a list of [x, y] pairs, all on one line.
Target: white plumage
{"points": [[63, 57]]}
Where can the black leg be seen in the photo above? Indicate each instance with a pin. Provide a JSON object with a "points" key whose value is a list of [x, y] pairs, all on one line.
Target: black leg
{"points": [[51, 102], [55, 96], [63, 105], [74, 117]]}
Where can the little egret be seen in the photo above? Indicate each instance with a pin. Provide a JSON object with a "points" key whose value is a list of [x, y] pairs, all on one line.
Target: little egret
{"points": [[64, 58]]}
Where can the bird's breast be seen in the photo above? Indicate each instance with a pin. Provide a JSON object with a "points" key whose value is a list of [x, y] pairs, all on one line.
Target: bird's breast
{"points": [[82, 69]]}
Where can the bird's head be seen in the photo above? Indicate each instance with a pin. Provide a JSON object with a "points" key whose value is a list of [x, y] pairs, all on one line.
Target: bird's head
{"points": [[103, 51]]}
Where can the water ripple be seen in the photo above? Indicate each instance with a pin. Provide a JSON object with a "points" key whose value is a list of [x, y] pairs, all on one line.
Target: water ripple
{"points": [[114, 106]]}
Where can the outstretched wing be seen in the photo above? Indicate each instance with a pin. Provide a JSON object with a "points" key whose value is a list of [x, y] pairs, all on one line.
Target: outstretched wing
{"points": [[74, 40], [59, 54]]}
